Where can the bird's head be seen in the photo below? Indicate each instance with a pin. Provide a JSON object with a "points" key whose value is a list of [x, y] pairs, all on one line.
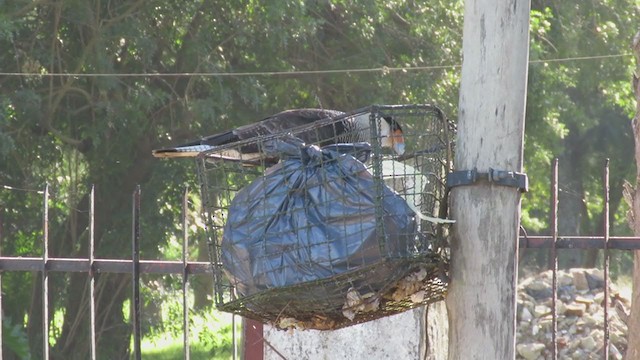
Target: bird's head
{"points": [[392, 135]]}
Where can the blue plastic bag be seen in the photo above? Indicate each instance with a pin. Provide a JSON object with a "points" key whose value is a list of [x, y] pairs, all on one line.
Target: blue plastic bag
{"points": [[316, 214]]}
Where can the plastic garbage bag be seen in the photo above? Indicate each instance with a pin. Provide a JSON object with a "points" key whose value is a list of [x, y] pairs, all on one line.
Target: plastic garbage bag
{"points": [[312, 216]]}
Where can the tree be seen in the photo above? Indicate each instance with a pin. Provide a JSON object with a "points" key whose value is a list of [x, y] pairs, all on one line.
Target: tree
{"points": [[577, 110], [633, 197], [482, 295], [74, 131], [61, 125]]}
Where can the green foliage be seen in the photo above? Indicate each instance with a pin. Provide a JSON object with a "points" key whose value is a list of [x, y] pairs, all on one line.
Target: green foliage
{"points": [[578, 110], [98, 126], [210, 333], [15, 339]]}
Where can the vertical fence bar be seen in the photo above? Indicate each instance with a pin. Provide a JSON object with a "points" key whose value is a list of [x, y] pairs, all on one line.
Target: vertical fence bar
{"points": [[1, 312], [554, 260], [606, 259], [45, 275], [253, 338], [135, 303], [92, 279], [234, 339], [185, 274]]}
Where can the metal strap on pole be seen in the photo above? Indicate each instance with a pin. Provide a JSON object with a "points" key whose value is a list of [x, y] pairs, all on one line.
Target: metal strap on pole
{"points": [[494, 176]]}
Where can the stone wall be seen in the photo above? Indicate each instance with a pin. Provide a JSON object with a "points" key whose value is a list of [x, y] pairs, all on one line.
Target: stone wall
{"points": [[580, 309]]}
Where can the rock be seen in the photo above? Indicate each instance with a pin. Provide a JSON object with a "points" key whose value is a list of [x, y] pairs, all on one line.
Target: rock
{"points": [[614, 353], [580, 316], [546, 321], [564, 279], [525, 315], [356, 303], [539, 290], [588, 343], [616, 336], [418, 297], [535, 329], [288, 323], [562, 342], [573, 329], [579, 279], [591, 320], [575, 309], [575, 344], [566, 292], [621, 311], [560, 307], [578, 354], [595, 278], [530, 351], [588, 300], [541, 310]]}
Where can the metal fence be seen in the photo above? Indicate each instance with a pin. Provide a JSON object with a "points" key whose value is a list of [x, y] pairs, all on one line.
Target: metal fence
{"points": [[93, 266], [603, 242], [253, 331]]}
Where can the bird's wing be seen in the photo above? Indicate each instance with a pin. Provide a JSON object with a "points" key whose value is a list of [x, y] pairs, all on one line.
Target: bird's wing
{"points": [[290, 120], [413, 188], [285, 121]]}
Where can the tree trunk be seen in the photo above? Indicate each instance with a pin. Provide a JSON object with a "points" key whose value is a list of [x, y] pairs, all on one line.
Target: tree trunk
{"points": [[633, 337], [482, 295], [202, 285], [572, 211]]}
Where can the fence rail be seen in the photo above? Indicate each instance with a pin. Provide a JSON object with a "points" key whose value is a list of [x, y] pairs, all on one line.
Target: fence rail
{"points": [[8, 263], [580, 242], [93, 266], [254, 342]]}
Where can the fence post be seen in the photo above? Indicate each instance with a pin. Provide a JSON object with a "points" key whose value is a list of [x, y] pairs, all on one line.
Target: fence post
{"points": [[45, 275], [606, 259], [1, 312], [135, 301], [185, 275], [554, 259], [92, 279]]}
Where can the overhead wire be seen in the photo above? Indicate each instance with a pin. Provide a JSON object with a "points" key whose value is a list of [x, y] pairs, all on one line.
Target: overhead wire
{"points": [[382, 69]]}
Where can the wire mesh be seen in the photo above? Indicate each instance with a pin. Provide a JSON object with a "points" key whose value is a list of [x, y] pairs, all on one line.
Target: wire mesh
{"points": [[328, 237]]}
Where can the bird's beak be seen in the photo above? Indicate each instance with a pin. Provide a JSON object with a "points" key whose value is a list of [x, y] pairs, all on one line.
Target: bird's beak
{"points": [[398, 142]]}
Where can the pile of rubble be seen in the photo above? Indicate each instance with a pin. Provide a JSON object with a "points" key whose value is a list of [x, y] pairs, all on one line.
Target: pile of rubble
{"points": [[580, 309]]}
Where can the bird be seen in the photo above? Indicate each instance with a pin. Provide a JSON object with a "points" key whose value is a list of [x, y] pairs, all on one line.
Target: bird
{"points": [[333, 127]]}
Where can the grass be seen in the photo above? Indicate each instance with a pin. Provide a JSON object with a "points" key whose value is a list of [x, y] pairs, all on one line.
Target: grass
{"points": [[210, 331], [210, 337], [170, 348]]}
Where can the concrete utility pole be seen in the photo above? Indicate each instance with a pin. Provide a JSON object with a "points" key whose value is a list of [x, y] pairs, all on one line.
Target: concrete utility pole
{"points": [[482, 296]]}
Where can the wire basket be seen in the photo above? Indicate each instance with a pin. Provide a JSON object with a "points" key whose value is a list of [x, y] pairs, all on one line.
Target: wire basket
{"points": [[298, 244]]}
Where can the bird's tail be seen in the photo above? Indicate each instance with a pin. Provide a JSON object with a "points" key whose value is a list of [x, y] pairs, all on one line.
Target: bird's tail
{"points": [[193, 148], [181, 151]]}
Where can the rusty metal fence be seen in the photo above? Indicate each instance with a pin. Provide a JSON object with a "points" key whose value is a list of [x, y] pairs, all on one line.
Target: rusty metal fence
{"points": [[603, 242], [93, 266], [136, 266]]}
